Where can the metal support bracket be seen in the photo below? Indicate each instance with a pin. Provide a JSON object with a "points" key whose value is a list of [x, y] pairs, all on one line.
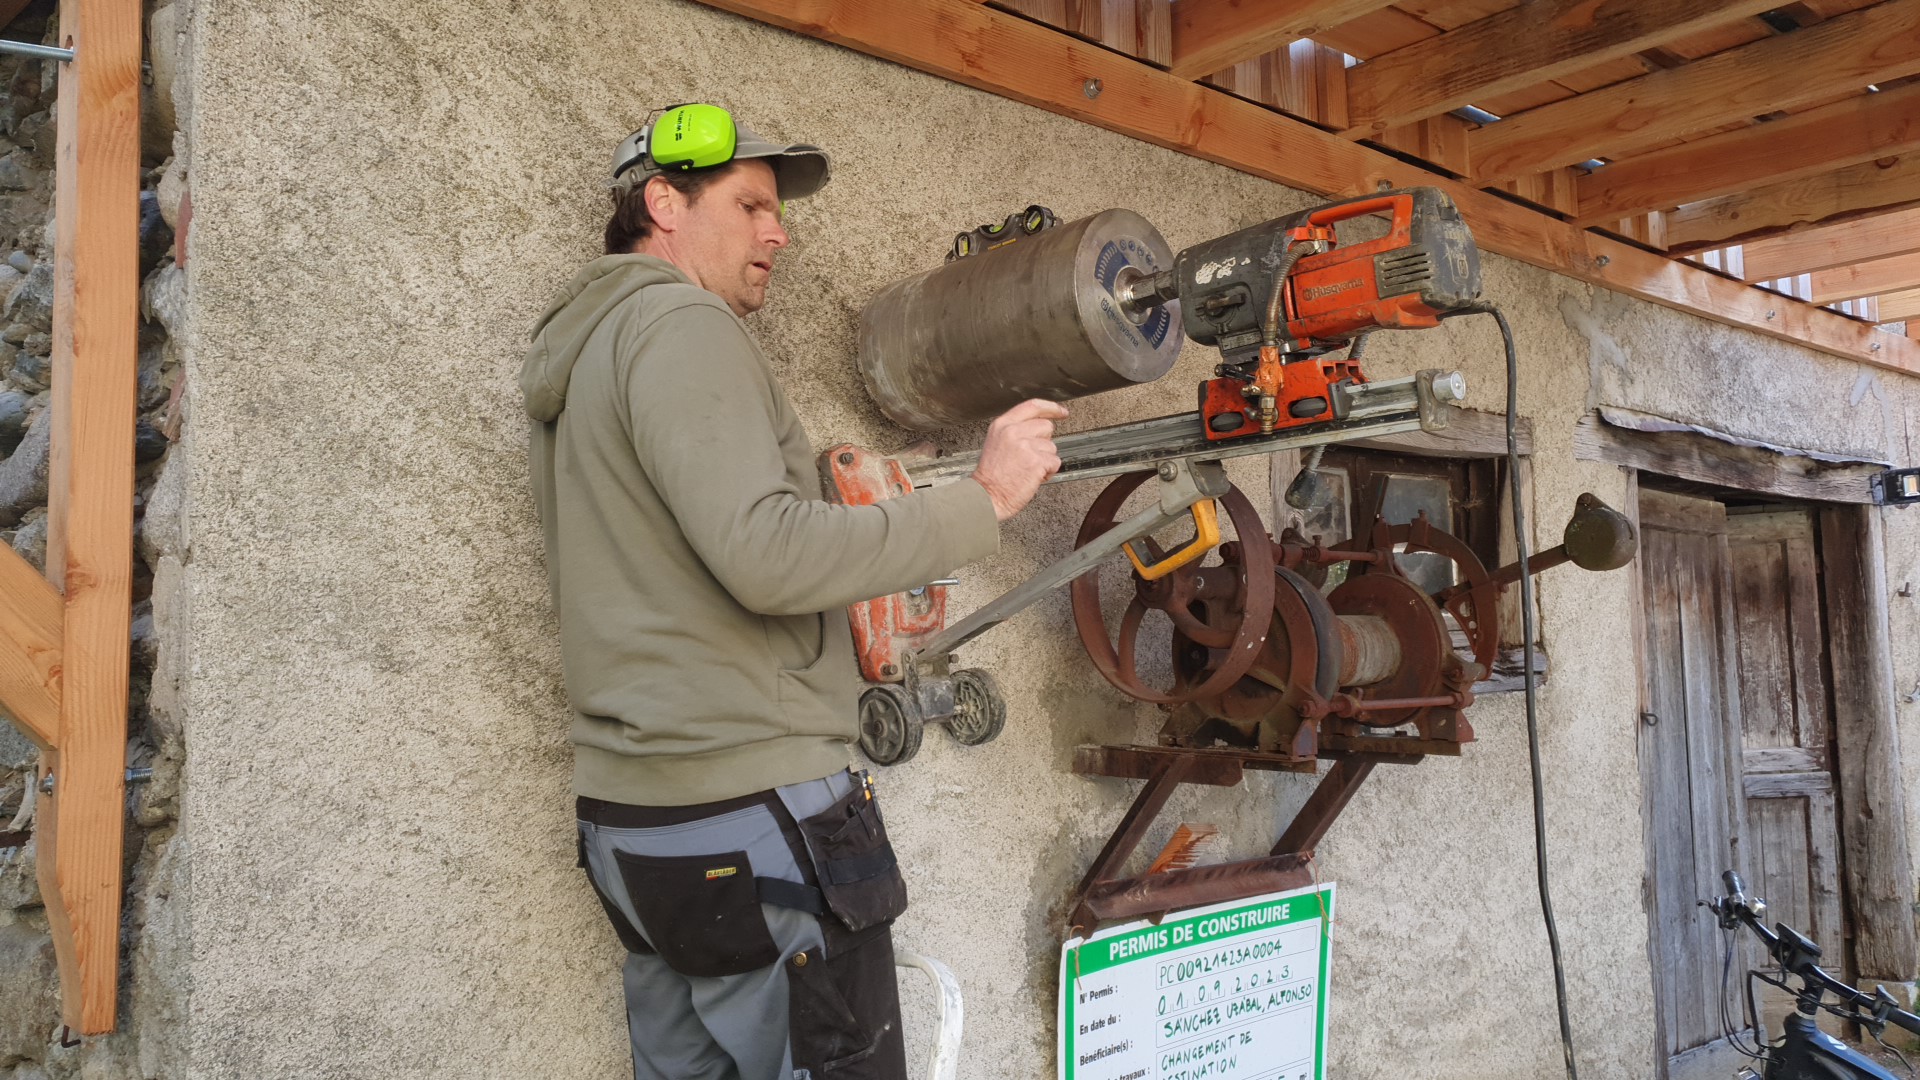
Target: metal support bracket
{"points": [[1103, 895]]}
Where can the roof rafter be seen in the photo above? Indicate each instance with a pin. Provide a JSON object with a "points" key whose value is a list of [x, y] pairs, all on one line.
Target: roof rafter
{"points": [[1881, 236], [1900, 306], [1842, 54], [1518, 48], [1855, 191], [1212, 35], [1897, 274], [1861, 128]]}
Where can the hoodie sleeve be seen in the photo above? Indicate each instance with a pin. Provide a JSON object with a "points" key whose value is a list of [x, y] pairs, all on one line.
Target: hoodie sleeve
{"points": [[706, 427]]}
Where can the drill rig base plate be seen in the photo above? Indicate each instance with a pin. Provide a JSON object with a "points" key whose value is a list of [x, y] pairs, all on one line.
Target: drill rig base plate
{"points": [[1103, 895]]}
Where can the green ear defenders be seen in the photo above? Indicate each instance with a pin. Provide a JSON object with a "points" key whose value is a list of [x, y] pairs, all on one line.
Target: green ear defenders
{"points": [[682, 138], [695, 136]]}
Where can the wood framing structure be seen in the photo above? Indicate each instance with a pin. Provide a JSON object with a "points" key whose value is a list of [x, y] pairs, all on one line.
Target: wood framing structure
{"points": [[1593, 138], [64, 649]]}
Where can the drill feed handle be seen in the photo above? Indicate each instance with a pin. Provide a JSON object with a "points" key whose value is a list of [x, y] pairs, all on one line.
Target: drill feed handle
{"points": [[1206, 536]]}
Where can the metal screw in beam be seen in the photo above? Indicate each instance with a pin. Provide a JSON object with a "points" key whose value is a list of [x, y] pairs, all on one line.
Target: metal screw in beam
{"points": [[44, 52], [1091, 88], [134, 776]]}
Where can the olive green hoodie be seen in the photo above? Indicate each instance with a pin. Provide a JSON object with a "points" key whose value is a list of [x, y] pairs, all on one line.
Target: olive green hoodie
{"points": [[700, 579]]}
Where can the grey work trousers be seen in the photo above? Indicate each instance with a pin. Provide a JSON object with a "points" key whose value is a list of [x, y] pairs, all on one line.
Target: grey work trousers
{"points": [[813, 1013]]}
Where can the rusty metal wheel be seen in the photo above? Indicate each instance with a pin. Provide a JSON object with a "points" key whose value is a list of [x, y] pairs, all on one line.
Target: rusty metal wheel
{"points": [[1224, 609]]}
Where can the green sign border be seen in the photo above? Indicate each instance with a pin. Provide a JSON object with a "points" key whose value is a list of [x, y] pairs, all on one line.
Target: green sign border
{"points": [[1102, 961]]}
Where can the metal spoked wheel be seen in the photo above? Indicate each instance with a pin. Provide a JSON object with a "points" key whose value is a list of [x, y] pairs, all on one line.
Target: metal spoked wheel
{"points": [[890, 724], [980, 712]]}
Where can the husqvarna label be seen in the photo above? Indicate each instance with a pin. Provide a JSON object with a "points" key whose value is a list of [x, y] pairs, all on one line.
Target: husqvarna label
{"points": [[1116, 256]]}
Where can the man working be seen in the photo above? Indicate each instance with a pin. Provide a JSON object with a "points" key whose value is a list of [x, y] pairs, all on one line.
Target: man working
{"points": [[700, 581]]}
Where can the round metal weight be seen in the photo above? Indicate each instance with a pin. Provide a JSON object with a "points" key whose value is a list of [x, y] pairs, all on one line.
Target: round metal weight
{"points": [[890, 724], [979, 712]]}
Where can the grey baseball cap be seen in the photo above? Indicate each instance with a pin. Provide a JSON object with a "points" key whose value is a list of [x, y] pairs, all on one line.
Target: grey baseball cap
{"points": [[799, 169]]}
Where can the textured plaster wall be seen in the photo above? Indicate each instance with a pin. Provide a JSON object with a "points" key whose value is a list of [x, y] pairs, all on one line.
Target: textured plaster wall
{"points": [[375, 796]]}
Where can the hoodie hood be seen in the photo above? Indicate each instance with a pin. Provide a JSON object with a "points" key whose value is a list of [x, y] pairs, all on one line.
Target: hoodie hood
{"points": [[562, 332]]}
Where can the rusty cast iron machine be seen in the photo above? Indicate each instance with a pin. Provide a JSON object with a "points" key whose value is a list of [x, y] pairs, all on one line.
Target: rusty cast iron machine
{"points": [[1270, 668]]}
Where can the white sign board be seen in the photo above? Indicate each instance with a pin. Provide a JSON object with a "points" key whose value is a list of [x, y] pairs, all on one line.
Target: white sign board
{"points": [[1236, 991]]}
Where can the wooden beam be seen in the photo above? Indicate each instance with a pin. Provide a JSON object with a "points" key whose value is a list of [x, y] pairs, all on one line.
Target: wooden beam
{"points": [[1866, 279], [1212, 35], [1862, 128], [1688, 455], [1518, 48], [1823, 248], [30, 615], [1829, 58], [1026, 62], [1900, 306], [90, 491], [1867, 742], [1856, 191]]}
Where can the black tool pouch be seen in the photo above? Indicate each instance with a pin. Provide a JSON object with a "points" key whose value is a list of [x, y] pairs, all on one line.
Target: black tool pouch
{"points": [[701, 912], [854, 861]]}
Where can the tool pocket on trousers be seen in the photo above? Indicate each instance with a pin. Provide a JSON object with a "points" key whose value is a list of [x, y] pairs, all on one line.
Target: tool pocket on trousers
{"points": [[701, 912], [854, 861], [825, 1035]]}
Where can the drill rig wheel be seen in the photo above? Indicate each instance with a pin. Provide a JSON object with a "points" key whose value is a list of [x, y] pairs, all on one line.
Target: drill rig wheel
{"points": [[890, 724], [1222, 610], [979, 712]]}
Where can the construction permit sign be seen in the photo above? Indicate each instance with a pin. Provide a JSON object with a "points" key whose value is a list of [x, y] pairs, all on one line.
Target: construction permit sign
{"points": [[1235, 991]]}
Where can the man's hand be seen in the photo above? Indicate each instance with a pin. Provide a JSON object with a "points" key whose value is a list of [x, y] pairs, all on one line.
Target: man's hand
{"points": [[1019, 455]]}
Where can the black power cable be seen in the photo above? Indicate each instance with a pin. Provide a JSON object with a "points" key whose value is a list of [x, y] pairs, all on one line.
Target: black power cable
{"points": [[1527, 634]]}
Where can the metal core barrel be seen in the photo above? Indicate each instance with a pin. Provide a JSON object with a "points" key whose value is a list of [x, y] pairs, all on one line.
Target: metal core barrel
{"points": [[1040, 317]]}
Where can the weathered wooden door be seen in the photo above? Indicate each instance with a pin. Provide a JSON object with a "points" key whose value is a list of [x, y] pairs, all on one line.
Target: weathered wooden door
{"points": [[1791, 838], [1689, 758]]}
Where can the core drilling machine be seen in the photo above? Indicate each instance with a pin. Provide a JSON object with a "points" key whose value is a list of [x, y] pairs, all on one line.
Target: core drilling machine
{"points": [[1037, 308]]}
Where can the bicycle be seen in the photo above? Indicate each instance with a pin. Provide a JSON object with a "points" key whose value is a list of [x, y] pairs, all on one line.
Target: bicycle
{"points": [[1804, 1052]]}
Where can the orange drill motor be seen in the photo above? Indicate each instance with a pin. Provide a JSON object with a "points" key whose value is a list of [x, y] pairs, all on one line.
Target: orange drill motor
{"points": [[1277, 297]]}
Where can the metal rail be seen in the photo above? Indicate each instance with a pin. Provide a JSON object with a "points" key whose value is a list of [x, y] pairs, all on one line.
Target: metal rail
{"points": [[1372, 409]]}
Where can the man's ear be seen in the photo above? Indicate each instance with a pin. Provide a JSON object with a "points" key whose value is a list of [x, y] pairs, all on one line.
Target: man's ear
{"points": [[664, 204]]}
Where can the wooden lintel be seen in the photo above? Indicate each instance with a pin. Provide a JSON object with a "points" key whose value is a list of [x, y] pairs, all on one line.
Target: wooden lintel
{"points": [[1518, 48], [1881, 236], [1861, 128], [1021, 60], [1842, 54], [90, 497], [30, 617], [1213, 35], [1856, 191], [1871, 278], [1702, 459]]}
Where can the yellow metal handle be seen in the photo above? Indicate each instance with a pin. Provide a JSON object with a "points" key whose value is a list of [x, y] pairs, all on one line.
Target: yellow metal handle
{"points": [[1206, 536]]}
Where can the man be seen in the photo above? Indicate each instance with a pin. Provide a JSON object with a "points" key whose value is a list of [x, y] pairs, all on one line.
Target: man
{"points": [[700, 581]]}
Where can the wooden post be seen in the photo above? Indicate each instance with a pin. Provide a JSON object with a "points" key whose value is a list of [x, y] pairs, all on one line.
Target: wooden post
{"points": [[1872, 802], [90, 512]]}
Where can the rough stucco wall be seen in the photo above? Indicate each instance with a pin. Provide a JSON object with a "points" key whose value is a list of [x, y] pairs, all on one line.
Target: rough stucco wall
{"points": [[376, 793]]}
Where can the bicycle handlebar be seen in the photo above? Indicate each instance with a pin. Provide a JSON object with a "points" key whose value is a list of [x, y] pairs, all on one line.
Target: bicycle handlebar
{"points": [[1795, 955]]}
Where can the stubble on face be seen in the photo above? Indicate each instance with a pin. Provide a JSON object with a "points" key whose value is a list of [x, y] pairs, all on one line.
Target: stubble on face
{"points": [[733, 231]]}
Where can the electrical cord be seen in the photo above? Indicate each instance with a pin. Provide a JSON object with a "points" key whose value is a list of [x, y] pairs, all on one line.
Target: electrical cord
{"points": [[1527, 676]]}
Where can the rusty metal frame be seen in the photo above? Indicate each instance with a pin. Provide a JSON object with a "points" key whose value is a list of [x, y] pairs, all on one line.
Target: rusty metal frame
{"points": [[1103, 895]]}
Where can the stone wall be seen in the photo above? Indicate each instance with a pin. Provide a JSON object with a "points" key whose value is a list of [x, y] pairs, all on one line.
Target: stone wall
{"points": [[152, 1002], [357, 646]]}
